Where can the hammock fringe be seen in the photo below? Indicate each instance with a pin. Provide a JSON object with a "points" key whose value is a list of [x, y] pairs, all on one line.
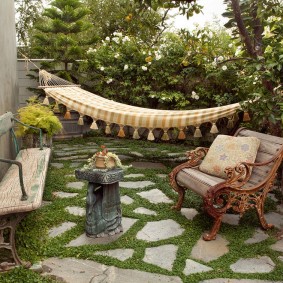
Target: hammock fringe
{"points": [[94, 125], [107, 129], [214, 129], [197, 133], [136, 135], [81, 120], [121, 133], [67, 115], [165, 136], [181, 135], [150, 136]]}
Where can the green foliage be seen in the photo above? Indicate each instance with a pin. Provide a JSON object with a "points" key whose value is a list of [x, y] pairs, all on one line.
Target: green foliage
{"points": [[166, 75], [60, 33], [39, 116]]}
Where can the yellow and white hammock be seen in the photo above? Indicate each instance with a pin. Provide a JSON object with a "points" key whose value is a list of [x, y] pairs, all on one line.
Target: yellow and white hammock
{"points": [[99, 108]]}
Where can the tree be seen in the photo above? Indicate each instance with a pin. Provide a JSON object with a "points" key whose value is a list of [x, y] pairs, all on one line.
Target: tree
{"points": [[59, 35], [27, 13], [257, 26]]}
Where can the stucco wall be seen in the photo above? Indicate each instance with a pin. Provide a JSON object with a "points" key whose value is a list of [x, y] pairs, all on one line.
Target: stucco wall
{"points": [[8, 71]]}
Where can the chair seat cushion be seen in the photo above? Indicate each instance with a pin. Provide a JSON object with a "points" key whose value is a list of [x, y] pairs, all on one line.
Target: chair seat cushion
{"points": [[227, 151], [197, 181]]}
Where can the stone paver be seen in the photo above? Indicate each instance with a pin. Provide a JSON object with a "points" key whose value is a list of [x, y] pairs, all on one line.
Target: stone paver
{"points": [[127, 223], [75, 210], [275, 218], [155, 196], [75, 165], [136, 185], [126, 200], [159, 230], [189, 213], [143, 210], [210, 250], [135, 153], [73, 157], [56, 231], [64, 194], [161, 175], [232, 219], [75, 185], [195, 267], [148, 165], [229, 280], [134, 175], [262, 264], [162, 256], [278, 246], [121, 254], [72, 270], [258, 236], [57, 165]]}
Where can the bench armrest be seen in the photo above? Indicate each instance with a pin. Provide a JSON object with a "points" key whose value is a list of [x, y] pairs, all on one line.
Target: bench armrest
{"points": [[19, 164], [32, 127]]}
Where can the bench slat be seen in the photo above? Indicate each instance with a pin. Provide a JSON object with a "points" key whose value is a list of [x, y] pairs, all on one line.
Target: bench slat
{"points": [[35, 165]]}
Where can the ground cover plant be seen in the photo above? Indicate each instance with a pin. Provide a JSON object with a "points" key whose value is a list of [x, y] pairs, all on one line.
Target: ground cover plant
{"points": [[35, 245]]}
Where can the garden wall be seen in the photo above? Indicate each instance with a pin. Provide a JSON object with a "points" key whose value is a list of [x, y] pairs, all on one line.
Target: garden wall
{"points": [[8, 72]]}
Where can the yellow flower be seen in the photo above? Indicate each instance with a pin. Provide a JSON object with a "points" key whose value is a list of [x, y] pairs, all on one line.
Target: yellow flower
{"points": [[185, 63], [148, 59], [129, 17]]}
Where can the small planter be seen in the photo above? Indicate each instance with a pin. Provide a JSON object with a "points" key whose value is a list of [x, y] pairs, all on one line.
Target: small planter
{"points": [[102, 162]]}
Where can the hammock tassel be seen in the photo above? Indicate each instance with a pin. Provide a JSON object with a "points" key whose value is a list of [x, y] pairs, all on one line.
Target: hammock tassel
{"points": [[56, 108], [45, 100], [136, 135], [107, 129], [67, 114], [230, 123], [150, 136], [181, 135], [214, 129], [246, 117], [94, 126], [197, 133], [81, 120], [121, 133], [165, 136]]}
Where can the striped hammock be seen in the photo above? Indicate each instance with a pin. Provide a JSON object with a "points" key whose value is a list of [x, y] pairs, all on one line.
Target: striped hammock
{"points": [[99, 108]]}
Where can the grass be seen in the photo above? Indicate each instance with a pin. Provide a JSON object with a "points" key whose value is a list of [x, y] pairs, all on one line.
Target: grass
{"points": [[34, 245]]}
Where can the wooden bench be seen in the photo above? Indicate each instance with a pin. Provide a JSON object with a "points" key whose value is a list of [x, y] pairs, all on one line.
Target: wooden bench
{"points": [[246, 185], [21, 188]]}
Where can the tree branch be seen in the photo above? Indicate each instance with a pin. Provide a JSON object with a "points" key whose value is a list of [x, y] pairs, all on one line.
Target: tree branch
{"points": [[242, 29]]}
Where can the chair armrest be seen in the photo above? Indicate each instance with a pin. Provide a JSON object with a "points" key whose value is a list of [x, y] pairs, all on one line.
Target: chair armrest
{"points": [[19, 164], [194, 156], [239, 175], [32, 127]]}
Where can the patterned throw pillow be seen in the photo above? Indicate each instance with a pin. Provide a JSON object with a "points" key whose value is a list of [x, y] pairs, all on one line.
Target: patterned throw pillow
{"points": [[227, 151]]}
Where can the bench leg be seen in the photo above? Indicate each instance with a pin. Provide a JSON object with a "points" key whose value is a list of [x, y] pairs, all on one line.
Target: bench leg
{"points": [[9, 224]]}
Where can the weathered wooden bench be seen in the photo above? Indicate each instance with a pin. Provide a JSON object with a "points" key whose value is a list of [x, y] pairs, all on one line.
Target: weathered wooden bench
{"points": [[21, 188], [245, 187]]}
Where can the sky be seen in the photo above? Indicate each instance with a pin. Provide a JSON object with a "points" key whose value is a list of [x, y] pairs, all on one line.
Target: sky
{"points": [[212, 10]]}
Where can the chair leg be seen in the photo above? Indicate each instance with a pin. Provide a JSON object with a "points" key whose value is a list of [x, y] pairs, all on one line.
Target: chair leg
{"points": [[214, 230], [181, 193], [260, 214]]}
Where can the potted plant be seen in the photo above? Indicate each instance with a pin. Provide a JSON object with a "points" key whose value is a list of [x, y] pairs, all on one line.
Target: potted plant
{"points": [[104, 159], [39, 116]]}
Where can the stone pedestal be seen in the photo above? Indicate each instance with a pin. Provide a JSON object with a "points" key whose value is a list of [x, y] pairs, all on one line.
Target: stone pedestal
{"points": [[103, 205]]}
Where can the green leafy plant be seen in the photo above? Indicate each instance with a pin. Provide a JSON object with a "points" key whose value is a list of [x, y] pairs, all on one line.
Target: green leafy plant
{"points": [[39, 116]]}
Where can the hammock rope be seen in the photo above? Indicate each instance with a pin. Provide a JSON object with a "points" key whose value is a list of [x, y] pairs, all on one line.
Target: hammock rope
{"points": [[99, 108]]}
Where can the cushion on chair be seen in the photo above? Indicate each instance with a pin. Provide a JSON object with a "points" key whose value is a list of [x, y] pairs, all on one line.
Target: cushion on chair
{"points": [[196, 180], [227, 151]]}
